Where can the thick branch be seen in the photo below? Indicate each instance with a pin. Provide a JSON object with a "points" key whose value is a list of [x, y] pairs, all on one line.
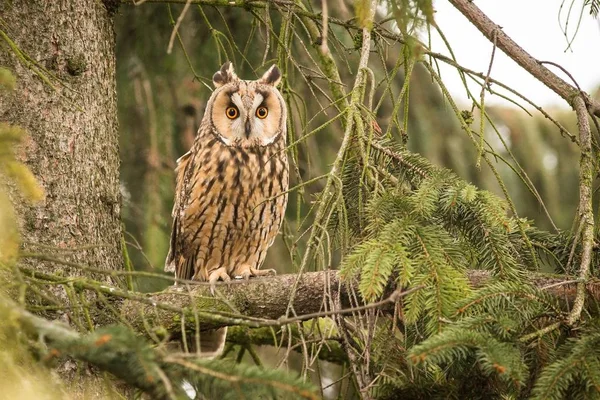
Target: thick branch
{"points": [[263, 302], [494, 32]]}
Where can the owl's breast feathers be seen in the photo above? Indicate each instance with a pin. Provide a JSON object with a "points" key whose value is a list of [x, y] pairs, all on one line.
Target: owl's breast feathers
{"points": [[229, 205]]}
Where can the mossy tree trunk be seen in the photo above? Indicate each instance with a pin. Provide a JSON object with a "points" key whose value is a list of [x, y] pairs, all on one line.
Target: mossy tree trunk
{"points": [[72, 147], [62, 55]]}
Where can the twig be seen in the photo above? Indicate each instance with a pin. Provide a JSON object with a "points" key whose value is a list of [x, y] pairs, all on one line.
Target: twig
{"points": [[324, 10], [540, 332], [485, 85], [177, 24], [521, 57], [557, 284], [563, 69], [397, 294]]}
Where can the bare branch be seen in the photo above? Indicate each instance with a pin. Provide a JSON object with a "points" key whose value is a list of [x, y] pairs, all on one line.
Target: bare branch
{"points": [[521, 57], [177, 24]]}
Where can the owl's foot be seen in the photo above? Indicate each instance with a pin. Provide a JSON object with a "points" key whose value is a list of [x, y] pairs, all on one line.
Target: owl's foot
{"points": [[250, 272], [213, 278]]}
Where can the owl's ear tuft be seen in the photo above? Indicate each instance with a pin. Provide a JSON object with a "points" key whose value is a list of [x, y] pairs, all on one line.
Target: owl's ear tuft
{"points": [[272, 76], [225, 75]]}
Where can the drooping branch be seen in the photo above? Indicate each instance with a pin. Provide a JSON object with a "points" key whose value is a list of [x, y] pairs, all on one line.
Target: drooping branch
{"points": [[581, 103], [494, 32]]}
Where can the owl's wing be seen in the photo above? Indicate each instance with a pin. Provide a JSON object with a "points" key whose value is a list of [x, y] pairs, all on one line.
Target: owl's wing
{"points": [[178, 206]]}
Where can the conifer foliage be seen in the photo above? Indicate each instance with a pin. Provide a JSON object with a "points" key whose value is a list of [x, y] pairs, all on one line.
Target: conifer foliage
{"points": [[425, 228]]}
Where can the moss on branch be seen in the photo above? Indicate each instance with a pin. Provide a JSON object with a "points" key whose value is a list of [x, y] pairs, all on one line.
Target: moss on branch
{"points": [[262, 302]]}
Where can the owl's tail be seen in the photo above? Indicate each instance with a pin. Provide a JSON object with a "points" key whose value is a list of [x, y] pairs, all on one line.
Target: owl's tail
{"points": [[212, 343]]}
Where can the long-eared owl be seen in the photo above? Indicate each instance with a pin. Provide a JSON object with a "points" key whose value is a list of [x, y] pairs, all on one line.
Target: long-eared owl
{"points": [[231, 189]]}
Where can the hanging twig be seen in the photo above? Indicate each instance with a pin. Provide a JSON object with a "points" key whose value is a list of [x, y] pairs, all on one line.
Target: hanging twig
{"points": [[177, 24], [521, 57]]}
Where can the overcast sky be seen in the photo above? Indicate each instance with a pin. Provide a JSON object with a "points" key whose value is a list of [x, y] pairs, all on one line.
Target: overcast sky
{"points": [[534, 25]]}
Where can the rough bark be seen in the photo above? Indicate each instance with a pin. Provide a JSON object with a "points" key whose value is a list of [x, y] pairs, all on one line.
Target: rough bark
{"points": [[73, 139], [263, 301], [68, 108]]}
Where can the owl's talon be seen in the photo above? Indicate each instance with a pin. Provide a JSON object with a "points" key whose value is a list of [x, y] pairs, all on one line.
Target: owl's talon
{"points": [[213, 278], [246, 275], [254, 272]]}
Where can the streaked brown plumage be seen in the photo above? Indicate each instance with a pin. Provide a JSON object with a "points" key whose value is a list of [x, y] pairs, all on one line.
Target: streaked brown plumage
{"points": [[230, 194]]}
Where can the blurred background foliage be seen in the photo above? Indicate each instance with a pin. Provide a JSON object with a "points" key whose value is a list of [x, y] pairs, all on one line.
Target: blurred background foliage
{"points": [[162, 98]]}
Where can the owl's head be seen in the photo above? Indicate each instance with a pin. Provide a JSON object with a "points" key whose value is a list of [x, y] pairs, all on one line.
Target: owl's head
{"points": [[247, 113]]}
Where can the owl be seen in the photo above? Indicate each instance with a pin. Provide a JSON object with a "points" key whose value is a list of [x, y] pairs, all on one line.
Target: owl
{"points": [[231, 187]]}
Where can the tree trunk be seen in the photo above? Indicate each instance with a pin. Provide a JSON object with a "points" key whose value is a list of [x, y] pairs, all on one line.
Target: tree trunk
{"points": [[62, 54], [72, 147]]}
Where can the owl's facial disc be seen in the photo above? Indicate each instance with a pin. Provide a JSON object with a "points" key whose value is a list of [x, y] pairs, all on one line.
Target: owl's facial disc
{"points": [[247, 114]]}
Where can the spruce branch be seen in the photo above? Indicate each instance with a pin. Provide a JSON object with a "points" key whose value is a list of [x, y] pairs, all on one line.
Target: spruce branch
{"points": [[577, 361], [453, 344]]}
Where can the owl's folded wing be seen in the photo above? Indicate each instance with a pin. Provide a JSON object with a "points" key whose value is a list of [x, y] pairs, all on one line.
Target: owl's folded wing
{"points": [[179, 202]]}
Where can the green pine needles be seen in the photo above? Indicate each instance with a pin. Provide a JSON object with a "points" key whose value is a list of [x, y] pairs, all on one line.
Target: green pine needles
{"points": [[574, 369], [423, 227]]}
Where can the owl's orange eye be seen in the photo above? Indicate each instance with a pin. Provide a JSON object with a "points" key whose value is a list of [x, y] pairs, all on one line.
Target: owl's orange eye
{"points": [[231, 112], [262, 112]]}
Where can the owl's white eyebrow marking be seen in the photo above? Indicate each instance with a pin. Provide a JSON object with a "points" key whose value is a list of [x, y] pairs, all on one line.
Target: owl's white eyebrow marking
{"points": [[237, 100], [258, 99], [229, 92]]}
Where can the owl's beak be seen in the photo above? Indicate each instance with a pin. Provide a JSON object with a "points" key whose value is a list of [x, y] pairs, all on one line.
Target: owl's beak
{"points": [[248, 128]]}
